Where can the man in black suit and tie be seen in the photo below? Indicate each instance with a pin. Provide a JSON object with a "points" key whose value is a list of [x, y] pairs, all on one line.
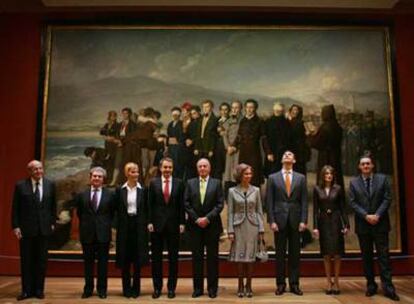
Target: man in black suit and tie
{"points": [[33, 221], [370, 197], [95, 209], [166, 222], [287, 216], [203, 201]]}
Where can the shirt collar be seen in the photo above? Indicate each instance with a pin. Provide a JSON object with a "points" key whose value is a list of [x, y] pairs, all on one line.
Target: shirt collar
{"points": [[286, 171], [366, 177], [40, 181], [206, 179], [126, 186], [163, 179], [99, 189]]}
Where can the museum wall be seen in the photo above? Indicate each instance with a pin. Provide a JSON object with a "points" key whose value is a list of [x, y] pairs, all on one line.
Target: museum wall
{"points": [[20, 54]]}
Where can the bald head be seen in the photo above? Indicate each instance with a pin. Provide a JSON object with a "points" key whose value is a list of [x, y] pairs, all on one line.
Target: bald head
{"points": [[35, 169]]}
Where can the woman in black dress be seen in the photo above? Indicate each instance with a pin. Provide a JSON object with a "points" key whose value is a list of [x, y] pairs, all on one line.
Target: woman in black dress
{"points": [[330, 224]]}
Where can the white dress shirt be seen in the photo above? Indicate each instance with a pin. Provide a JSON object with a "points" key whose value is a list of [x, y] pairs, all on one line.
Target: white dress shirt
{"points": [[170, 181], [132, 198], [290, 172], [99, 195], [40, 181]]}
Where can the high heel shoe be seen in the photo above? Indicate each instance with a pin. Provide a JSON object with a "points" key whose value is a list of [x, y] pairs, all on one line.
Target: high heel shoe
{"points": [[329, 291], [248, 291], [240, 291], [335, 291]]}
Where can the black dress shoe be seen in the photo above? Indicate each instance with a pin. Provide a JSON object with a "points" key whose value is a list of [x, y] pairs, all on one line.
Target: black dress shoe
{"points": [[23, 296], [126, 293], [212, 294], [171, 294], [280, 290], [392, 295], [156, 294], [135, 293], [40, 295], [370, 292], [197, 293], [86, 295], [296, 290], [102, 295]]}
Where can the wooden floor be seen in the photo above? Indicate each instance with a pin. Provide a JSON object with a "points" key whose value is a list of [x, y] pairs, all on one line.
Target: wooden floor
{"points": [[68, 290]]}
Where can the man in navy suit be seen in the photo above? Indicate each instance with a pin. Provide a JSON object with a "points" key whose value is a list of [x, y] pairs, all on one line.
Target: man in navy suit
{"points": [[95, 210], [33, 221], [166, 222], [287, 205], [370, 197], [203, 201]]}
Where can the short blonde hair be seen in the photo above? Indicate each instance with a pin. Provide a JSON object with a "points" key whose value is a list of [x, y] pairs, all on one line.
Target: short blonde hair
{"points": [[129, 166], [239, 171]]}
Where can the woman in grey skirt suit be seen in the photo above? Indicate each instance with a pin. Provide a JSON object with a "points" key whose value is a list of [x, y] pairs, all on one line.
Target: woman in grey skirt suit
{"points": [[245, 226]]}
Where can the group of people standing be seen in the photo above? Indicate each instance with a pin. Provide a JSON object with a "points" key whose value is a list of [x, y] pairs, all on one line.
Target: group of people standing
{"points": [[159, 212], [236, 135]]}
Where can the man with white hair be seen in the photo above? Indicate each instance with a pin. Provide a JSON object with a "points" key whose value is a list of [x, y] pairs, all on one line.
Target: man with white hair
{"points": [[33, 221], [203, 202], [95, 210]]}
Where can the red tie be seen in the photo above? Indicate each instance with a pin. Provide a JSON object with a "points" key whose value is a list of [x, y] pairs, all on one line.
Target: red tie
{"points": [[167, 190]]}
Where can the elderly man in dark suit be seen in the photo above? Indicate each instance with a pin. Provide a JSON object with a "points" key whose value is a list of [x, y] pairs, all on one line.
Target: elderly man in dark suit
{"points": [[370, 198], [287, 216], [166, 222], [33, 221], [95, 209], [203, 201]]}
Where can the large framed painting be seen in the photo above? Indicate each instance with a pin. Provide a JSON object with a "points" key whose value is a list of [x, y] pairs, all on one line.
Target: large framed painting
{"points": [[97, 76]]}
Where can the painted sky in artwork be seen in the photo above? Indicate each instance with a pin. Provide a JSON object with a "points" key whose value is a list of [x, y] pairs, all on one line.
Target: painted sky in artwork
{"points": [[266, 62]]}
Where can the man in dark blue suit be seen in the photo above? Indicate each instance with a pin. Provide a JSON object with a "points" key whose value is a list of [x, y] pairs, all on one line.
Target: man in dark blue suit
{"points": [[370, 197], [33, 221], [95, 210], [203, 201], [287, 211], [166, 222]]}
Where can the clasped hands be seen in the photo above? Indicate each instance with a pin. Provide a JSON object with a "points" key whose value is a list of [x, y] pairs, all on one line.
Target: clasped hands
{"points": [[150, 228], [372, 219], [275, 228]]}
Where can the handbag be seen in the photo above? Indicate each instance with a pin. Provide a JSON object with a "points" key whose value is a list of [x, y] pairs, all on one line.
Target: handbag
{"points": [[261, 254]]}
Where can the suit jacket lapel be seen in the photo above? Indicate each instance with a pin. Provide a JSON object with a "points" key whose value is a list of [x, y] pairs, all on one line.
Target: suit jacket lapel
{"points": [[139, 192], [197, 189], [361, 184], [124, 196], [281, 182], [294, 182], [374, 185], [173, 189]]}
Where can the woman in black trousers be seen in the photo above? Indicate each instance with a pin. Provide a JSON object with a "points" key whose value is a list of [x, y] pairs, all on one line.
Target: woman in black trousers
{"points": [[131, 237], [330, 224]]}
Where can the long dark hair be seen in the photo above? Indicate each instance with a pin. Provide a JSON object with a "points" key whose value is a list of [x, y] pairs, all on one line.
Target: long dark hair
{"points": [[325, 169]]}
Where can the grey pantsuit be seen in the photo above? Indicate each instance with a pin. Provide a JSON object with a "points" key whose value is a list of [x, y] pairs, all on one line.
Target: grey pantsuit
{"points": [[245, 220]]}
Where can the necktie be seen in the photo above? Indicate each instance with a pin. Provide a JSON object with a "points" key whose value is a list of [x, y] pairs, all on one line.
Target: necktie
{"points": [[37, 193], [94, 201], [287, 183], [166, 190], [368, 185], [202, 190]]}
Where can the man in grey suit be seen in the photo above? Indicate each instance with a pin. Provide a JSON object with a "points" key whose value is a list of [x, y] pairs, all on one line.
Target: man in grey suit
{"points": [[33, 221], [203, 202], [370, 197], [287, 207]]}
